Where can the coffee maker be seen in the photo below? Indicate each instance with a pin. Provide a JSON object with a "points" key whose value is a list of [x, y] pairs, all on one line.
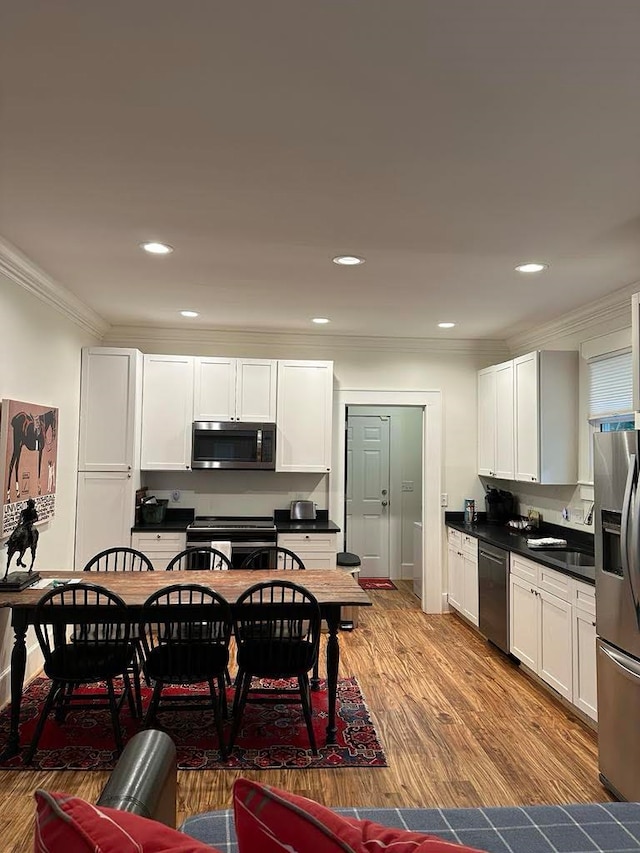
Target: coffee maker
{"points": [[500, 505]]}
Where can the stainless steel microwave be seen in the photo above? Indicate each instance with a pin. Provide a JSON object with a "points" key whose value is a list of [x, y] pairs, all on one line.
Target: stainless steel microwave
{"points": [[233, 444]]}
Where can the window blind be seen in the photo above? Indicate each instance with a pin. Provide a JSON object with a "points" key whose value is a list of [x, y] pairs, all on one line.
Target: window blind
{"points": [[611, 385]]}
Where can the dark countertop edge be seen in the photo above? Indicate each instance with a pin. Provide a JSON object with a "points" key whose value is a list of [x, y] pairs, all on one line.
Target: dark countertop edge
{"points": [[502, 537], [317, 526], [163, 527], [283, 524]]}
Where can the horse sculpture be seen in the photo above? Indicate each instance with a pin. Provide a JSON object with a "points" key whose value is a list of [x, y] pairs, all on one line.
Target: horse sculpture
{"points": [[31, 432], [24, 536]]}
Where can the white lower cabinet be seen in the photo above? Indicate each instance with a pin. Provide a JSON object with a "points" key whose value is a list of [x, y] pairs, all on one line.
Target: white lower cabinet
{"points": [[462, 554], [316, 550], [584, 649], [105, 507], [159, 546], [552, 630], [555, 665]]}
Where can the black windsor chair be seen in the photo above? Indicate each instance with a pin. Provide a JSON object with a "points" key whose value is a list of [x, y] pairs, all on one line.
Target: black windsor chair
{"points": [[272, 557], [185, 631], [99, 650], [119, 559], [277, 630], [195, 559]]}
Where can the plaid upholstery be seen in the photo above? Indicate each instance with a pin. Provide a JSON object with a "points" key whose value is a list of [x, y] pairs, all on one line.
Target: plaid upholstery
{"points": [[579, 828]]}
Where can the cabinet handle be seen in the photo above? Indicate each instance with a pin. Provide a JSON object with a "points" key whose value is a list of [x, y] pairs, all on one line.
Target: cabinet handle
{"points": [[128, 476], [593, 624], [158, 536], [128, 467], [532, 590], [306, 536]]}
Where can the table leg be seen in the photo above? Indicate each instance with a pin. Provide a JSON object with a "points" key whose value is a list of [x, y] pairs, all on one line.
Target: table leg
{"points": [[18, 667], [333, 659]]}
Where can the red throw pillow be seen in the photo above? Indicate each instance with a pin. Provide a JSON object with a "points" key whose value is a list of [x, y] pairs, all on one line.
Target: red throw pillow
{"points": [[270, 820], [71, 825]]}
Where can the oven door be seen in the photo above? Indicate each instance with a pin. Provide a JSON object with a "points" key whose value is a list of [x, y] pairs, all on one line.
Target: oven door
{"points": [[241, 550], [237, 551]]}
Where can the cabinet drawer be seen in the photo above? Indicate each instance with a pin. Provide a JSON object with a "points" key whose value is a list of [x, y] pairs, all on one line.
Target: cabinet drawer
{"points": [[308, 541], [159, 541], [583, 596], [470, 545], [525, 569], [554, 582], [454, 537]]}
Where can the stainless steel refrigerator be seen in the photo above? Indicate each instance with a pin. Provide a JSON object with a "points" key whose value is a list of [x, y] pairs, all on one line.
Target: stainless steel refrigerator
{"points": [[617, 553]]}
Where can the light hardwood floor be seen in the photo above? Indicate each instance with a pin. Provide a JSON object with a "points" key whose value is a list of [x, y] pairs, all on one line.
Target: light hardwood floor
{"points": [[460, 725]]}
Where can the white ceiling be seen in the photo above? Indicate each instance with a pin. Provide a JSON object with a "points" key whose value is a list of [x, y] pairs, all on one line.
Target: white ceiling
{"points": [[443, 140]]}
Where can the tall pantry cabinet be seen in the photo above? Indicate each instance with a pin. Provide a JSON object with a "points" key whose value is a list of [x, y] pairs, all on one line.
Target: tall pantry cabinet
{"points": [[109, 449]]}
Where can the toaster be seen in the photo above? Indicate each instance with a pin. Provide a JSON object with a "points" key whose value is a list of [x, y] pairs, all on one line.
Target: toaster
{"points": [[302, 510]]}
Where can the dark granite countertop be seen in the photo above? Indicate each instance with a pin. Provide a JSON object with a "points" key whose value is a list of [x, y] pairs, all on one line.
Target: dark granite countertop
{"points": [[513, 540], [175, 521], [321, 524]]}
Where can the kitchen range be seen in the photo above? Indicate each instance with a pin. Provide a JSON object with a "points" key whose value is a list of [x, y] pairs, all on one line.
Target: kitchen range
{"points": [[236, 536]]}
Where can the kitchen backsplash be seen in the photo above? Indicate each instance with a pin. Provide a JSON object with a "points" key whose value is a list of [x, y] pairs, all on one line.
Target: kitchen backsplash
{"points": [[549, 501], [236, 492]]}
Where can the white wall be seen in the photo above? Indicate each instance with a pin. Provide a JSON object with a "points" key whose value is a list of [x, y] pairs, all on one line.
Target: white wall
{"points": [[40, 363], [236, 492]]}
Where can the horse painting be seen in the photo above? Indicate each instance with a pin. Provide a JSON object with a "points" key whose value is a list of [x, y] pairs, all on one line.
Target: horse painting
{"points": [[30, 431]]}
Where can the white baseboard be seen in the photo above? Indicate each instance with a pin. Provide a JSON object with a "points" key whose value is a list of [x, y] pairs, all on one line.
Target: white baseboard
{"points": [[33, 667]]}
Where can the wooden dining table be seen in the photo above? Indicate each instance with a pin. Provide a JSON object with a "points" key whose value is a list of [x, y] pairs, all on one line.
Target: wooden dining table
{"points": [[332, 588]]}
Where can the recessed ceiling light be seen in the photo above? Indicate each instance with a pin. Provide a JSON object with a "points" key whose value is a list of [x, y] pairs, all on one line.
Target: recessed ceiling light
{"points": [[320, 320], [446, 325], [348, 260], [189, 313], [531, 267], [157, 248]]}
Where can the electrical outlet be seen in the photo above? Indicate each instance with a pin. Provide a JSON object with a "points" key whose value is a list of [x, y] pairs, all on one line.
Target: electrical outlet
{"points": [[175, 496], [576, 514], [444, 499]]}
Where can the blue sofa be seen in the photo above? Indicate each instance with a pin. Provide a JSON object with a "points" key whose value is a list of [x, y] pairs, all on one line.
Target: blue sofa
{"points": [[144, 782]]}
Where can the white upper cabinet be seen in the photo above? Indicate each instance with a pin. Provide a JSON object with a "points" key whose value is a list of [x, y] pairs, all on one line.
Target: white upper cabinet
{"points": [[110, 406], [235, 389], [496, 421], [546, 417], [167, 412], [304, 416], [487, 421], [528, 418]]}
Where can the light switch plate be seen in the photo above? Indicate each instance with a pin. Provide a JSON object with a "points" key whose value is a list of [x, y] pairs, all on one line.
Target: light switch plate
{"points": [[444, 499], [407, 485]]}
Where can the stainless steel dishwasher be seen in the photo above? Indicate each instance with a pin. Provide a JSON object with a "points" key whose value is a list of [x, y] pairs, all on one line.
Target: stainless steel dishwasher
{"points": [[493, 587]]}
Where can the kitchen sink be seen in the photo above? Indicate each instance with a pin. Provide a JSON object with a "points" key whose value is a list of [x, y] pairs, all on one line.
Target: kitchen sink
{"points": [[569, 556]]}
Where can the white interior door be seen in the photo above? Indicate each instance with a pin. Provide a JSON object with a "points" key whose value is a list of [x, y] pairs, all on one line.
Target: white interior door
{"points": [[367, 493]]}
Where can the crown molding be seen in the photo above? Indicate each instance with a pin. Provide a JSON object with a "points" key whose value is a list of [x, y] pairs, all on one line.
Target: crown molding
{"points": [[31, 278], [149, 337], [613, 310]]}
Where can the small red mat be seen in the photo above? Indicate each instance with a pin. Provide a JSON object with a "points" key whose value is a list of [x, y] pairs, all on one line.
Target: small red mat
{"points": [[376, 583], [271, 736]]}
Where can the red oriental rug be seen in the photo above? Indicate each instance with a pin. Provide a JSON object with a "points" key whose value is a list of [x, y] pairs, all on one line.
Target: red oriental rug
{"points": [[271, 737], [376, 583]]}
